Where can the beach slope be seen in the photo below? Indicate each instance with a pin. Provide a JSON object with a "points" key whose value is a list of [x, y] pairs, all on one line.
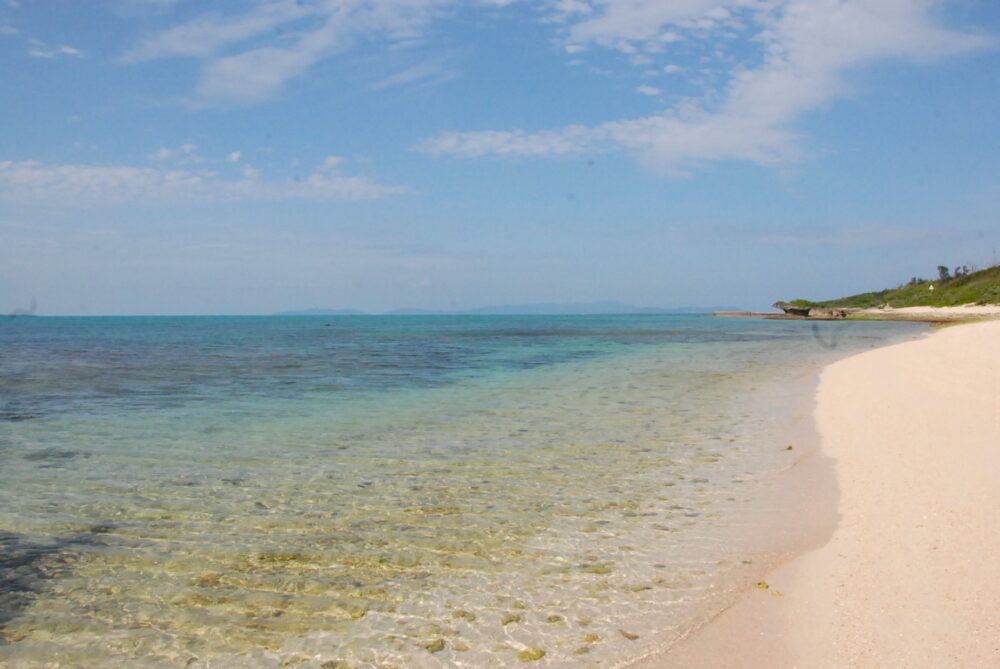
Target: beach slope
{"points": [[910, 576]]}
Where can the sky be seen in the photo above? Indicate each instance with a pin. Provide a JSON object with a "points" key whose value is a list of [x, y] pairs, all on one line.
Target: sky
{"points": [[182, 157]]}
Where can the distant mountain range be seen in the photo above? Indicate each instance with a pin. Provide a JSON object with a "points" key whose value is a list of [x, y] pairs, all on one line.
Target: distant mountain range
{"points": [[537, 309], [322, 312]]}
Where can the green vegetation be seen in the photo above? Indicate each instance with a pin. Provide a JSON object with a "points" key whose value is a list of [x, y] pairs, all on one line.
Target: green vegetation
{"points": [[949, 290]]}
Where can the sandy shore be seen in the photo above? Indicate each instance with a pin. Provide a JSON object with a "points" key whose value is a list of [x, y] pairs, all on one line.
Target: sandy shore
{"points": [[911, 574], [934, 314]]}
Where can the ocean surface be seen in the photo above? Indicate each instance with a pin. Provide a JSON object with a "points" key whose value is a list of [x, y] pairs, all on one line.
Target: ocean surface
{"points": [[362, 491]]}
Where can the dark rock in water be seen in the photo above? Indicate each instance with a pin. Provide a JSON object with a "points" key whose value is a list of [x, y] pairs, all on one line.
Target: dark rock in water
{"points": [[102, 528], [51, 454], [27, 566], [16, 417]]}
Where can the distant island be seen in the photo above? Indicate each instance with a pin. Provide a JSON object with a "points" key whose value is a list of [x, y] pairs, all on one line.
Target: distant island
{"points": [[605, 308], [30, 311]]}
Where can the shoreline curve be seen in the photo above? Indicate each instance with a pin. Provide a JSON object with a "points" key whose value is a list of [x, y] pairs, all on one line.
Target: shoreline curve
{"points": [[908, 577]]}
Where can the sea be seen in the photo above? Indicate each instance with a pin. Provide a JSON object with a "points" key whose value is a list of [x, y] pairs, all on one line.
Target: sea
{"points": [[391, 491]]}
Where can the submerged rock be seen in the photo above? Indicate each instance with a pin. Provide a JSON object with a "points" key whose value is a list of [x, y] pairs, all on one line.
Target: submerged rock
{"points": [[435, 646], [51, 454], [530, 655]]}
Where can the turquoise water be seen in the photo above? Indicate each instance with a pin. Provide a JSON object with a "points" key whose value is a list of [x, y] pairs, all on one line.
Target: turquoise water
{"points": [[385, 491]]}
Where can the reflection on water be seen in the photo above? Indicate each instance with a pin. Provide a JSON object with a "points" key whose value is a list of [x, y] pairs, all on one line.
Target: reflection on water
{"points": [[381, 492]]}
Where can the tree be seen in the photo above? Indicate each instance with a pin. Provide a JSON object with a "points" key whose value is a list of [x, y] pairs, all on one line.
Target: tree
{"points": [[943, 273]]}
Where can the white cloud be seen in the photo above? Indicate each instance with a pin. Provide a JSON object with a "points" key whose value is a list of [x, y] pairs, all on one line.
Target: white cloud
{"points": [[39, 49], [807, 49], [32, 182], [509, 143], [185, 153], [8, 31], [250, 56], [234, 157], [331, 164], [205, 35], [785, 58], [258, 72], [621, 23], [253, 76], [423, 74]]}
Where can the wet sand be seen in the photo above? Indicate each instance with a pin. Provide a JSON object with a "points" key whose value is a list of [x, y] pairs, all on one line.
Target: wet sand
{"points": [[909, 577]]}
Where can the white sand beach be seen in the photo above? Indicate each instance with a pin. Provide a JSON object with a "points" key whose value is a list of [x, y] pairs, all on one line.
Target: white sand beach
{"points": [[966, 312], [911, 574]]}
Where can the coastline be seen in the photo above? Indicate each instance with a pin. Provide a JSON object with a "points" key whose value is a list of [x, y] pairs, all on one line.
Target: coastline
{"points": [[906, 578], [935, 315]]}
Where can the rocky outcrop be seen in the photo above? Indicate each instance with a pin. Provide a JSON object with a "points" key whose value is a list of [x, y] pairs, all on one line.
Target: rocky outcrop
{"points": [[824, 313], [792, 310]]}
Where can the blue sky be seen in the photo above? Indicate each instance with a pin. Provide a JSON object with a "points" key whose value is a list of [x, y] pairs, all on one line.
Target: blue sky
{"points": [[173, 156]]}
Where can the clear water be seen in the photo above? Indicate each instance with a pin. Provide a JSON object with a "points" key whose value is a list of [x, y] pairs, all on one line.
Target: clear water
{"points": [[376, 492]]}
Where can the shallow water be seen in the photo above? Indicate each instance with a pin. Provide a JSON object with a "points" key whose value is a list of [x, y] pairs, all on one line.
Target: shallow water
{"points": [[367, 491]]}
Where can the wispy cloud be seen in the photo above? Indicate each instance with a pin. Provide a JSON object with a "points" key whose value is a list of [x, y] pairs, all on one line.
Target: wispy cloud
{"points": [[39, 49], [626, 24], [807, 47], [423, 74], [205, 35], [185, 153], [476, 144], [32, 182], [307, 33], [787, 58]]}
